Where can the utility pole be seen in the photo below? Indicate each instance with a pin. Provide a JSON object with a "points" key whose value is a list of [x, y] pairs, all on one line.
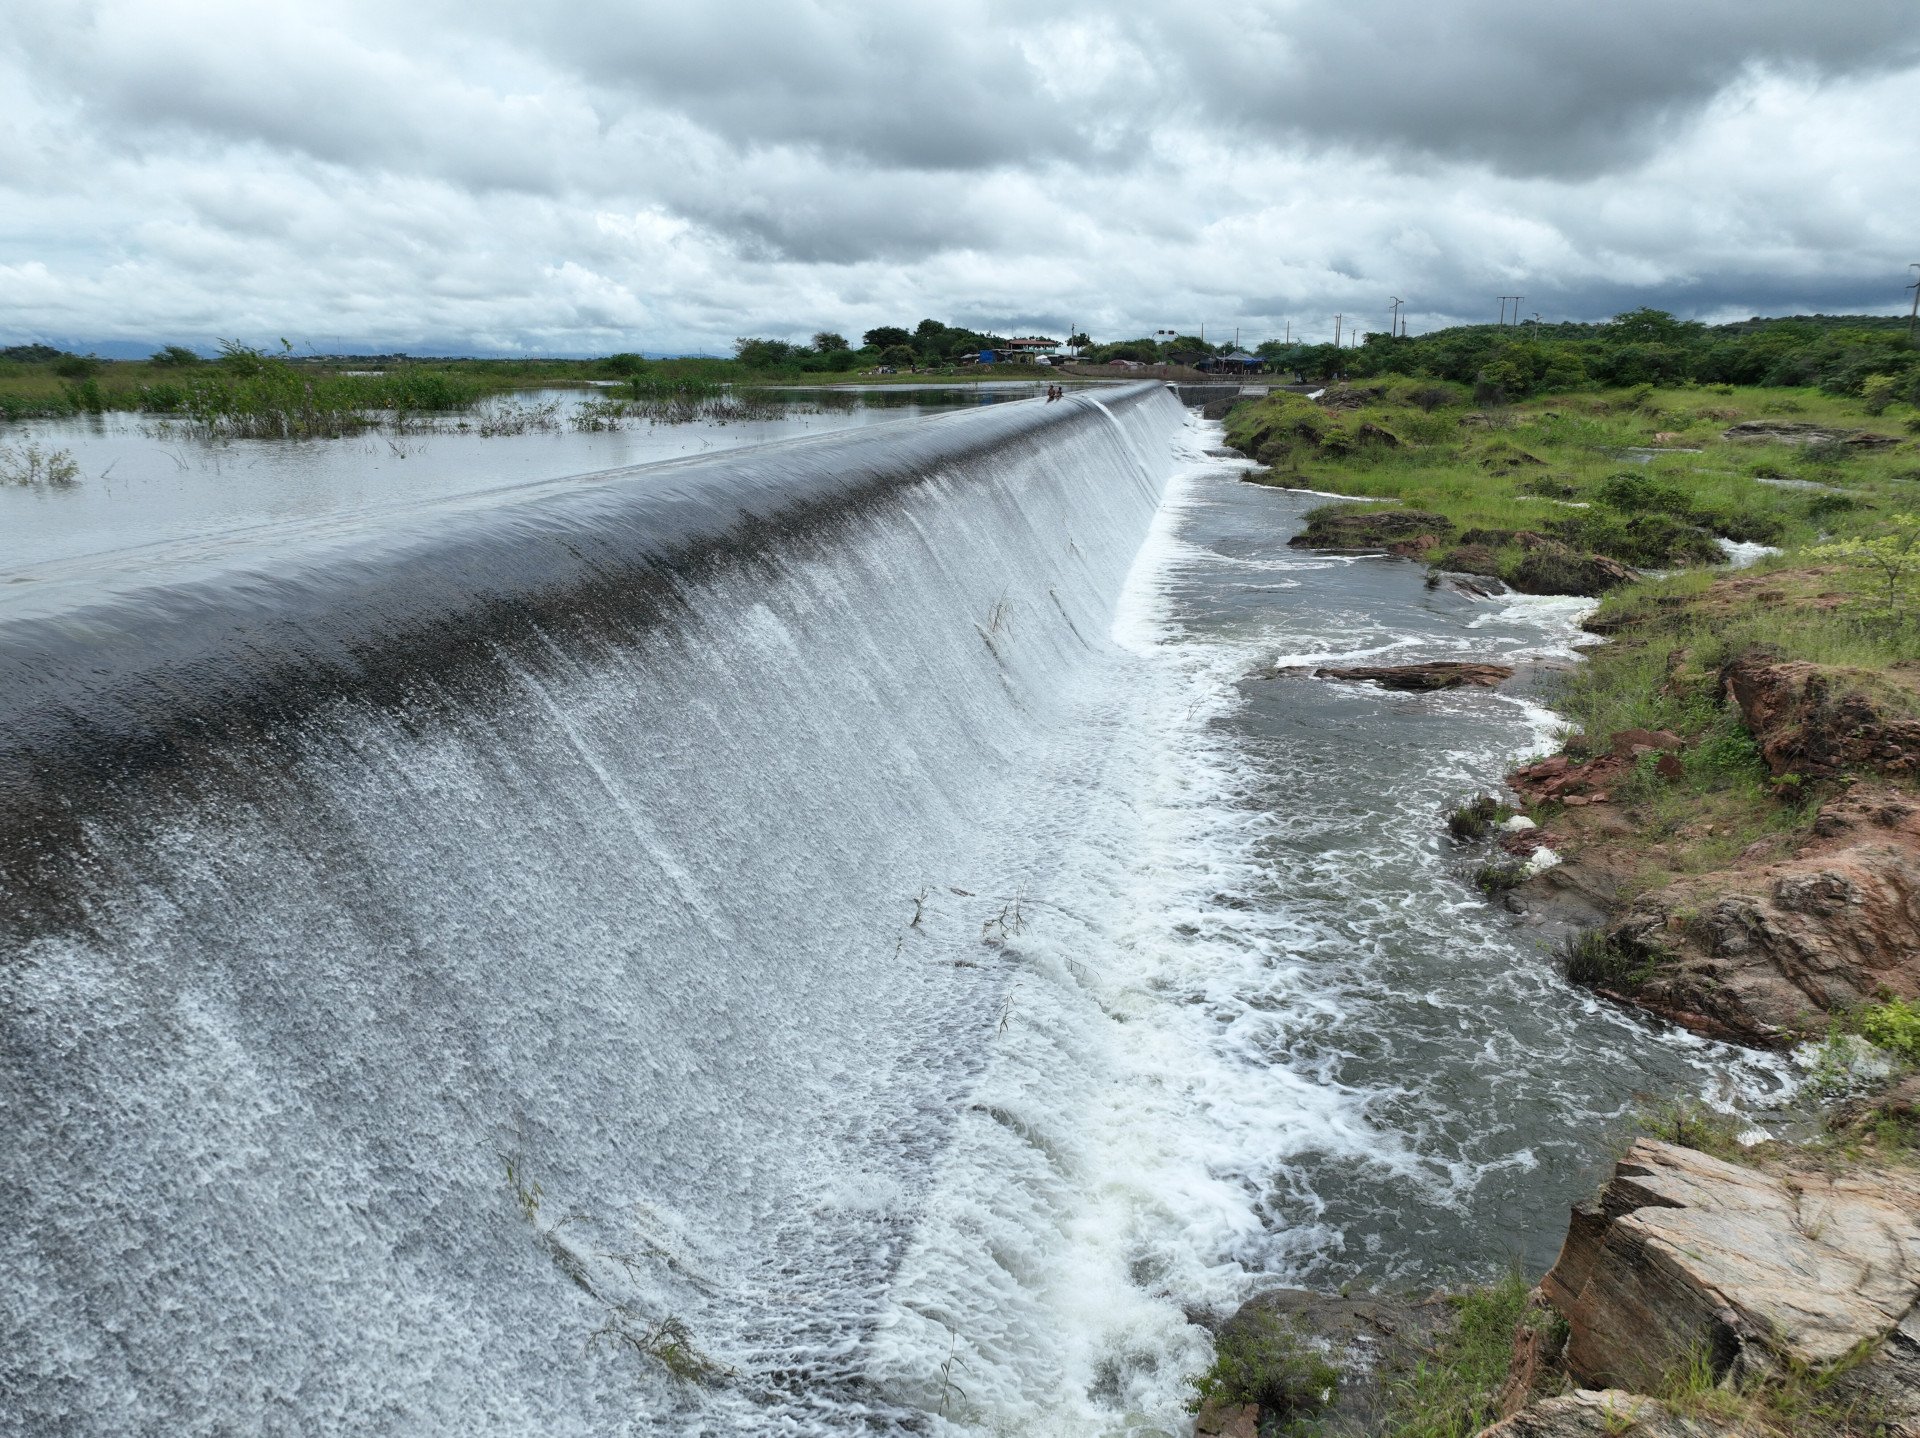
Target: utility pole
{"points": [[1393, 324], [1515, 300], [1289, 331], [1336, 330], [1913, 313]]}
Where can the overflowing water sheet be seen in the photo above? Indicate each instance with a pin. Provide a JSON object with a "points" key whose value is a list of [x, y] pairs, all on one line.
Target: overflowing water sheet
{"points": [[858, 934]]}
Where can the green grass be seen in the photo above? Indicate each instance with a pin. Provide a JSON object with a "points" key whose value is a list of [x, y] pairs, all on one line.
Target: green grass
{"points": [[1691, 1124], [1559, 466], [1451, 1393]]}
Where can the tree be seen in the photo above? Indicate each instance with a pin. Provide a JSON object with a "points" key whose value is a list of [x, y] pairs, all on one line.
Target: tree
{"points": [[173, 356], [625, 364], [1892, 556], [1651, 326], [897, 356], [929, 330], [885, 337], [763, 354], [1079, 341], [826, 342]]}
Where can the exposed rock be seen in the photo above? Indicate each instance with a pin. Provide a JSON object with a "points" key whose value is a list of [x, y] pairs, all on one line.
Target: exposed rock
{"points": [[1370, 528], [1783, 431], [1474, 586], [1633, 742], [1436, 675], [1218, 408], [1686, 1256], [1605, 1413], [1371, 433], [1770, 951], [1228, 1420], [1819, 721]]}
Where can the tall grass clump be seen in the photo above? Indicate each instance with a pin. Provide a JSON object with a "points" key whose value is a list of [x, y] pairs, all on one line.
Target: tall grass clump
{"points": [[1451, 1393], [248, 394]]}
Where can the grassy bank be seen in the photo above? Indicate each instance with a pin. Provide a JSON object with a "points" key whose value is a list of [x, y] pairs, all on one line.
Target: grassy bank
{"points": [[1645, 477]]}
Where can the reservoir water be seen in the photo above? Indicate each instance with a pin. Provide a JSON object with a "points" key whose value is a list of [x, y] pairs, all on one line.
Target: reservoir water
{"points": [[855, 913]]}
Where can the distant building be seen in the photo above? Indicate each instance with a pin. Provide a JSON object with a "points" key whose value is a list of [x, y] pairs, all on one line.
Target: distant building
{"points": [[1236, 362], [1027, 349]]}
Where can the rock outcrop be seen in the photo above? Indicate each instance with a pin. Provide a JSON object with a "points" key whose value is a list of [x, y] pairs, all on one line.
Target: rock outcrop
{"points": [[1820, 721], [1788, 431], [1440, 674], [1371, 528], [1761, 1275], [1767, 952]]}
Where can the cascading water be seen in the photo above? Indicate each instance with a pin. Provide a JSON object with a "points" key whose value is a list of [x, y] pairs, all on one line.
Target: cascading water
{"points": [[834, 937], [550, 915]]}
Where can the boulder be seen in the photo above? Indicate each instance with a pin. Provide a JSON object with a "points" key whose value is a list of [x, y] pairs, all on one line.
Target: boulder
{"points": [[1437, 675], [1550, 567], [1685, 1257], [1369, 528]]}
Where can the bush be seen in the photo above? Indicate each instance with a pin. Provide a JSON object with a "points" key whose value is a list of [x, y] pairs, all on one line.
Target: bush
{"points": [[1598, 961], [1878, 391], [76, 366], [1893, 1026], [1640, 493], [1496, 876], [1429, 397], [1264, 1360], [1472, 820], [173, 357]]}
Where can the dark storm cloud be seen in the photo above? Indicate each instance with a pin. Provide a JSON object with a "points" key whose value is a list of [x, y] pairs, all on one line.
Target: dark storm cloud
{"points": [[620, 173], [913, 87], [1527, 87]]}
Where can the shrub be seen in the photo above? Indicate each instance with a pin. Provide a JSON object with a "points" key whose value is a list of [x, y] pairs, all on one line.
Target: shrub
{"points": [[1430, 397], [1893, 1026], [1472, 820], [1599, 961], [1264, 1360], [1878, 391], [76, 366], [1638, 493], [173, 357], [1496, 876]]}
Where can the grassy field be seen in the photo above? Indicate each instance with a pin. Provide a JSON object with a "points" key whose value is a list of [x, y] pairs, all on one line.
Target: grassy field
{"points": [[1643, 476]]}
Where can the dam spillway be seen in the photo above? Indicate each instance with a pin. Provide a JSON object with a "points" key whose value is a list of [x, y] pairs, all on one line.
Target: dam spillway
{"points": [[604, 841], [845, 935]]}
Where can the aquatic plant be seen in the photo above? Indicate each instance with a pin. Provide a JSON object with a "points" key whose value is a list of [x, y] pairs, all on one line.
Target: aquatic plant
{"points": [[29, 465]]}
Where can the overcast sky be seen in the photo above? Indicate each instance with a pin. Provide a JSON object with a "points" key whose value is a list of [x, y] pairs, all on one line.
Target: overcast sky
{"points": [[472, 176]]}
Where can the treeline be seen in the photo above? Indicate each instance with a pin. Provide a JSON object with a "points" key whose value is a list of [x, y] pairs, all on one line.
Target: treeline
{"points": [[1862, 355], [930, 344]]}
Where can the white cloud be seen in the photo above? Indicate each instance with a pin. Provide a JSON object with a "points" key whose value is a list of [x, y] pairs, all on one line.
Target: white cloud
{"points": [[610, 175]]}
